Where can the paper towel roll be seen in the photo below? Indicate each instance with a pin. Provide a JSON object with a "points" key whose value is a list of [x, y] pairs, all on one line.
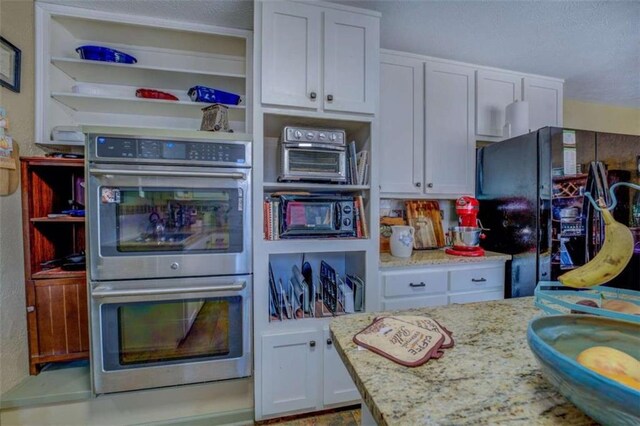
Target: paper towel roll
{"points": [[516, 119]]}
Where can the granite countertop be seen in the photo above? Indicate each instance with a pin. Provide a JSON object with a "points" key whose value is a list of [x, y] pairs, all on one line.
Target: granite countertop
{"points": [[490, 376], [437, 257]]}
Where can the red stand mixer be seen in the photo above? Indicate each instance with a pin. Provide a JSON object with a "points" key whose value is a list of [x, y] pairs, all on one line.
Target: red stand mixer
{"points": [[465, 238]]}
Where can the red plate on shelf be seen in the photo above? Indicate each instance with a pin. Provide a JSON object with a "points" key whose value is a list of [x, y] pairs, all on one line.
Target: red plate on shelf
{"points": [[155, 94]]}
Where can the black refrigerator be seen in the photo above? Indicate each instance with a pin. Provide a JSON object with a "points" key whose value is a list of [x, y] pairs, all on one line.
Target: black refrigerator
{"points": [[531, 192]]}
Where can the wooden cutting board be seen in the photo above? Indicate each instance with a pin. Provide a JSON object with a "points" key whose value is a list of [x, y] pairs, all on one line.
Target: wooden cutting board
{"points": [[424, 216], [386, 223]]}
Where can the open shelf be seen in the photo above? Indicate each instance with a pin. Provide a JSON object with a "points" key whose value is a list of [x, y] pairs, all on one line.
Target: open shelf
{"points": [[306, 186], [140, 106], [316, 285], [146, 76], [68, 219], [57, 273], [318, 244]]}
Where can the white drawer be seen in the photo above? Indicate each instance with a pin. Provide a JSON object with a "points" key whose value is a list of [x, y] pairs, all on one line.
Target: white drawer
{"points": [[476, 279], [414, 283], [482, 296], [414, 302]]}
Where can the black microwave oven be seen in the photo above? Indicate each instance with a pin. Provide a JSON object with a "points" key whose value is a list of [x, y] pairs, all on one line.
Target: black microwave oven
{"points": [[317, 216]]}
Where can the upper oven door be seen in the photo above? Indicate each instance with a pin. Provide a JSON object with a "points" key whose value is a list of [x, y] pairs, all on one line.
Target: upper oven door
{"points": [[162, 222]]}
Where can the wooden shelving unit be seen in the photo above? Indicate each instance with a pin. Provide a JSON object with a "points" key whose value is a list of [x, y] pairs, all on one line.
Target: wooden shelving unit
{"points": [[57, 315]]}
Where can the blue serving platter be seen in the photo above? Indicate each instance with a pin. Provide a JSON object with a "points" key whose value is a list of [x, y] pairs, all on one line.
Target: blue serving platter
{"points": [[556, 342], [105, 54], [207, 94]]}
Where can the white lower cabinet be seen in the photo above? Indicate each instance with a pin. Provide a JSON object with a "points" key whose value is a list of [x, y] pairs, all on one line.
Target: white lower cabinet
{"points": [[438, 285], [291, 368], [301, 371], [338, 386]]}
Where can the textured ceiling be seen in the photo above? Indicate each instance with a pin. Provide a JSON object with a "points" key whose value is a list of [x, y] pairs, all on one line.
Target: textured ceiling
{"points": [[594, 46]]}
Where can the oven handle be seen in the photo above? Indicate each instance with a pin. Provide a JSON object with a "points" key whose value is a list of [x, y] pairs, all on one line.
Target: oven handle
{"points": [[100, 293], [163, 173]]}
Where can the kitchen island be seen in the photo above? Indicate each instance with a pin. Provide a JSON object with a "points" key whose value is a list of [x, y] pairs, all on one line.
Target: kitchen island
{"points": [[489, 377]]}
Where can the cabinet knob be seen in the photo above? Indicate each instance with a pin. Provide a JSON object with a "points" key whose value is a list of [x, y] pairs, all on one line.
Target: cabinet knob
{"points": [[329, 342], [31, 309], [313, 95], [429, 185], [418, 184], [312, 343], [417, 285], [329, 98], [478, 280]]}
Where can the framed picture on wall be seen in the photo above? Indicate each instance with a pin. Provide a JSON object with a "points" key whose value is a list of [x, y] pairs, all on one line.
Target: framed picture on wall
{"points": [[9, 65]]}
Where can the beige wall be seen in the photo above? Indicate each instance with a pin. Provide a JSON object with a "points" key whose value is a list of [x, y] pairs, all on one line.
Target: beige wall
{"points": [[17, 26], [600, 117]]}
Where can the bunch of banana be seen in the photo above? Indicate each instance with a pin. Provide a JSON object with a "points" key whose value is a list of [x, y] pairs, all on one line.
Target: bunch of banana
{"points": [[610, 261]]}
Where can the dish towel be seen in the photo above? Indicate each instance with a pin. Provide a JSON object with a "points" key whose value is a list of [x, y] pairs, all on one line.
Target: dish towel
{"points": [[408, 340]]}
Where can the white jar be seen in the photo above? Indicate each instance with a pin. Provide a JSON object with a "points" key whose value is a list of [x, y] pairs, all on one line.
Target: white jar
{"points": [[401, 240]]}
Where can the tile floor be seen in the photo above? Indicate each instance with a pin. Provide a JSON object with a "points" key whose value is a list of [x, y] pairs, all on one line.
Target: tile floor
{"points": [[349, 416]]}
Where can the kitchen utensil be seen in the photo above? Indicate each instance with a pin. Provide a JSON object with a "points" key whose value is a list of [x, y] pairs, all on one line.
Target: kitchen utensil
{"points": [[105, 54], [463, 237], [215, 118], [557, 340], [401, 241], [207, 94], [155, 94], [425, 218]]}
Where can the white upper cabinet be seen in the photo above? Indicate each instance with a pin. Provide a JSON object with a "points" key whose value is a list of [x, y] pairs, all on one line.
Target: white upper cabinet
{"points": [[351, 56], [545, 101], [293, 49], [449, 134], [495, 90], [291, 54], [401, 124]]}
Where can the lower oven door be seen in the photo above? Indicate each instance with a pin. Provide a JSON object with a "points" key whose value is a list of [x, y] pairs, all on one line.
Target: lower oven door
{"points": [[148, 334]]}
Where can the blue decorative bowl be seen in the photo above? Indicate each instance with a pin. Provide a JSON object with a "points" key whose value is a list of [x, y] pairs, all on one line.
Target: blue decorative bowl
{"points": [[556, 342], [105, 54], [207, 94]]}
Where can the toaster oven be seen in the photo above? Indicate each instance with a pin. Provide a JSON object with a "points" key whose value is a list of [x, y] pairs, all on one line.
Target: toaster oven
{"points": [[308, 154]]}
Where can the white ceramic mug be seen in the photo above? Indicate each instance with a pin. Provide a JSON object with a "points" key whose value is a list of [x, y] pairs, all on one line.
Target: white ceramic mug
{"points": [[401, 240]]}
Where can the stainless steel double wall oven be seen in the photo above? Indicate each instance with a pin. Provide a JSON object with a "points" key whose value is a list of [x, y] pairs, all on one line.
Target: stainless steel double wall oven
{"points": [[170, 260]]}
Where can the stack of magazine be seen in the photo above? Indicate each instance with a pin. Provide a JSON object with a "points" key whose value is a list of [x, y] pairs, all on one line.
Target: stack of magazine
{"points": [[327, 295]]}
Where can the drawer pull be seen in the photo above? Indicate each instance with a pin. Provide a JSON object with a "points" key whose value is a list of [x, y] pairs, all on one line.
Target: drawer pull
{"points": [[478, 280], [417, 285]]}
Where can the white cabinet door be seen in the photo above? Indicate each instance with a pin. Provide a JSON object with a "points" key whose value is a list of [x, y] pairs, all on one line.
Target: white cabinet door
{"points": [[291, 365], [494, 92], [401, 124], [291, 39], [449, 141], [338, 386], [545, 102], [351, 58]]}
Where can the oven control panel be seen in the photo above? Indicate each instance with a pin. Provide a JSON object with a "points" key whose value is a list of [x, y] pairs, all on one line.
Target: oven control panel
{"points": [[163, 150]]}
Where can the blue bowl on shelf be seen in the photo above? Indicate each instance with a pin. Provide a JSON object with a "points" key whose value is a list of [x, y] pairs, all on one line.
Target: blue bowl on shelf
{"points": [[105, 54], [207, 94], [556, 342]]}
